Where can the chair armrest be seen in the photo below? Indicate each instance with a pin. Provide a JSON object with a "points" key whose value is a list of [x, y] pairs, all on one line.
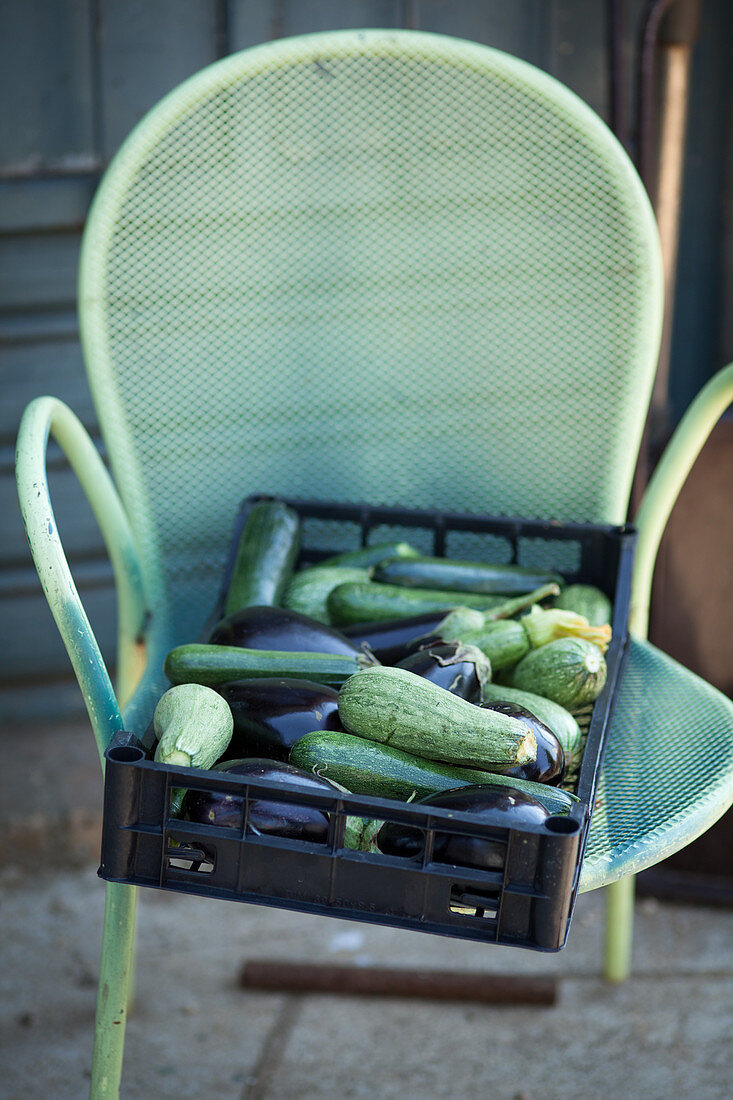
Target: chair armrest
{"points": [[48, 416], [665, 484]]}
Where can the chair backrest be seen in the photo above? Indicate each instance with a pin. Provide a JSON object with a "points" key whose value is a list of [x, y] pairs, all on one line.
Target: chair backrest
{"points": [[376, 266]]}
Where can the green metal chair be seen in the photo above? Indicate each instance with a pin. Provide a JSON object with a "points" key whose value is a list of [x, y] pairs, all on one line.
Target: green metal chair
{"points": [[379, 266]]}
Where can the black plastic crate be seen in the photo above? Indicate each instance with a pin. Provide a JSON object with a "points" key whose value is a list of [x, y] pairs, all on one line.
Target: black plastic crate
{"points": [[527, 901]]}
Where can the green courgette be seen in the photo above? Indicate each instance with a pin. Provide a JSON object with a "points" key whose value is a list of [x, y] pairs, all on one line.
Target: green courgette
{"points": [[265, 557], [462, 576], [367, 601], [198, 663], [397, 707], [586, 600], [383, 771], [570, 671], [309, 589], [367, 556], [557, 718]]}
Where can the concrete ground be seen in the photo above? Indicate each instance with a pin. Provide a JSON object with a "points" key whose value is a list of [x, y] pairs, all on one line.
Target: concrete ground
{"points": [[195, 1032]]}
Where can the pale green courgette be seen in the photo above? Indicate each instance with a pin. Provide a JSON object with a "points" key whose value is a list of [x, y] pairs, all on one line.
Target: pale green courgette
{"points": [[396, 707], [193, 725], [570, 671]]}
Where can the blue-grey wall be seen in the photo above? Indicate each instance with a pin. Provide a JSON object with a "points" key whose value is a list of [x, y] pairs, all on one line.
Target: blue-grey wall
{"points": [[78, 74]]}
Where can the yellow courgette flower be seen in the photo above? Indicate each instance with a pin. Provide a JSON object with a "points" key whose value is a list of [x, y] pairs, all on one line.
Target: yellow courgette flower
{"points": [[546, 626]]}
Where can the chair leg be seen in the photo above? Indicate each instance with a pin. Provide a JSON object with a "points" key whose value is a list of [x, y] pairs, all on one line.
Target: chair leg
{"points": [[112, 1000], [619, 929], [132, 979]]}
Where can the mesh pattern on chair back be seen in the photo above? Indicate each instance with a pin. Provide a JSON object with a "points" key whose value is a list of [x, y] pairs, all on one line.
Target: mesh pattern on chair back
{"points": [[381, 266]]}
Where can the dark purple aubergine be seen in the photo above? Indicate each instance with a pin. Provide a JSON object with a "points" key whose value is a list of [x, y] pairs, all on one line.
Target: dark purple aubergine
{"points": [[279, 628], [507, 808], [549, 764], [266, 815], [460, 669], [391, 640], [270, 714]]}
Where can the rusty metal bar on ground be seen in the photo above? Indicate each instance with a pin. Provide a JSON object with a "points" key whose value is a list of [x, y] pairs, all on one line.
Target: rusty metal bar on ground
{"points": [[349, 980]]}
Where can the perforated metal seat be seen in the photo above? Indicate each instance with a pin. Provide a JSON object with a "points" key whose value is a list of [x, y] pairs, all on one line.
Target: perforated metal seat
{"points": [[382, 266], [667, 771]]}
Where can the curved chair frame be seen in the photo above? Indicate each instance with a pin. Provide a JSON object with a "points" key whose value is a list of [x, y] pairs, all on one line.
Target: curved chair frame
{"points": [[143, 638], [48, 416]]}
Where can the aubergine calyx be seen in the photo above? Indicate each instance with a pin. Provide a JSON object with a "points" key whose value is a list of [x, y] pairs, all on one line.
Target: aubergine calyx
{"points": [[472, 667], [472, 654], [365, 657]]}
